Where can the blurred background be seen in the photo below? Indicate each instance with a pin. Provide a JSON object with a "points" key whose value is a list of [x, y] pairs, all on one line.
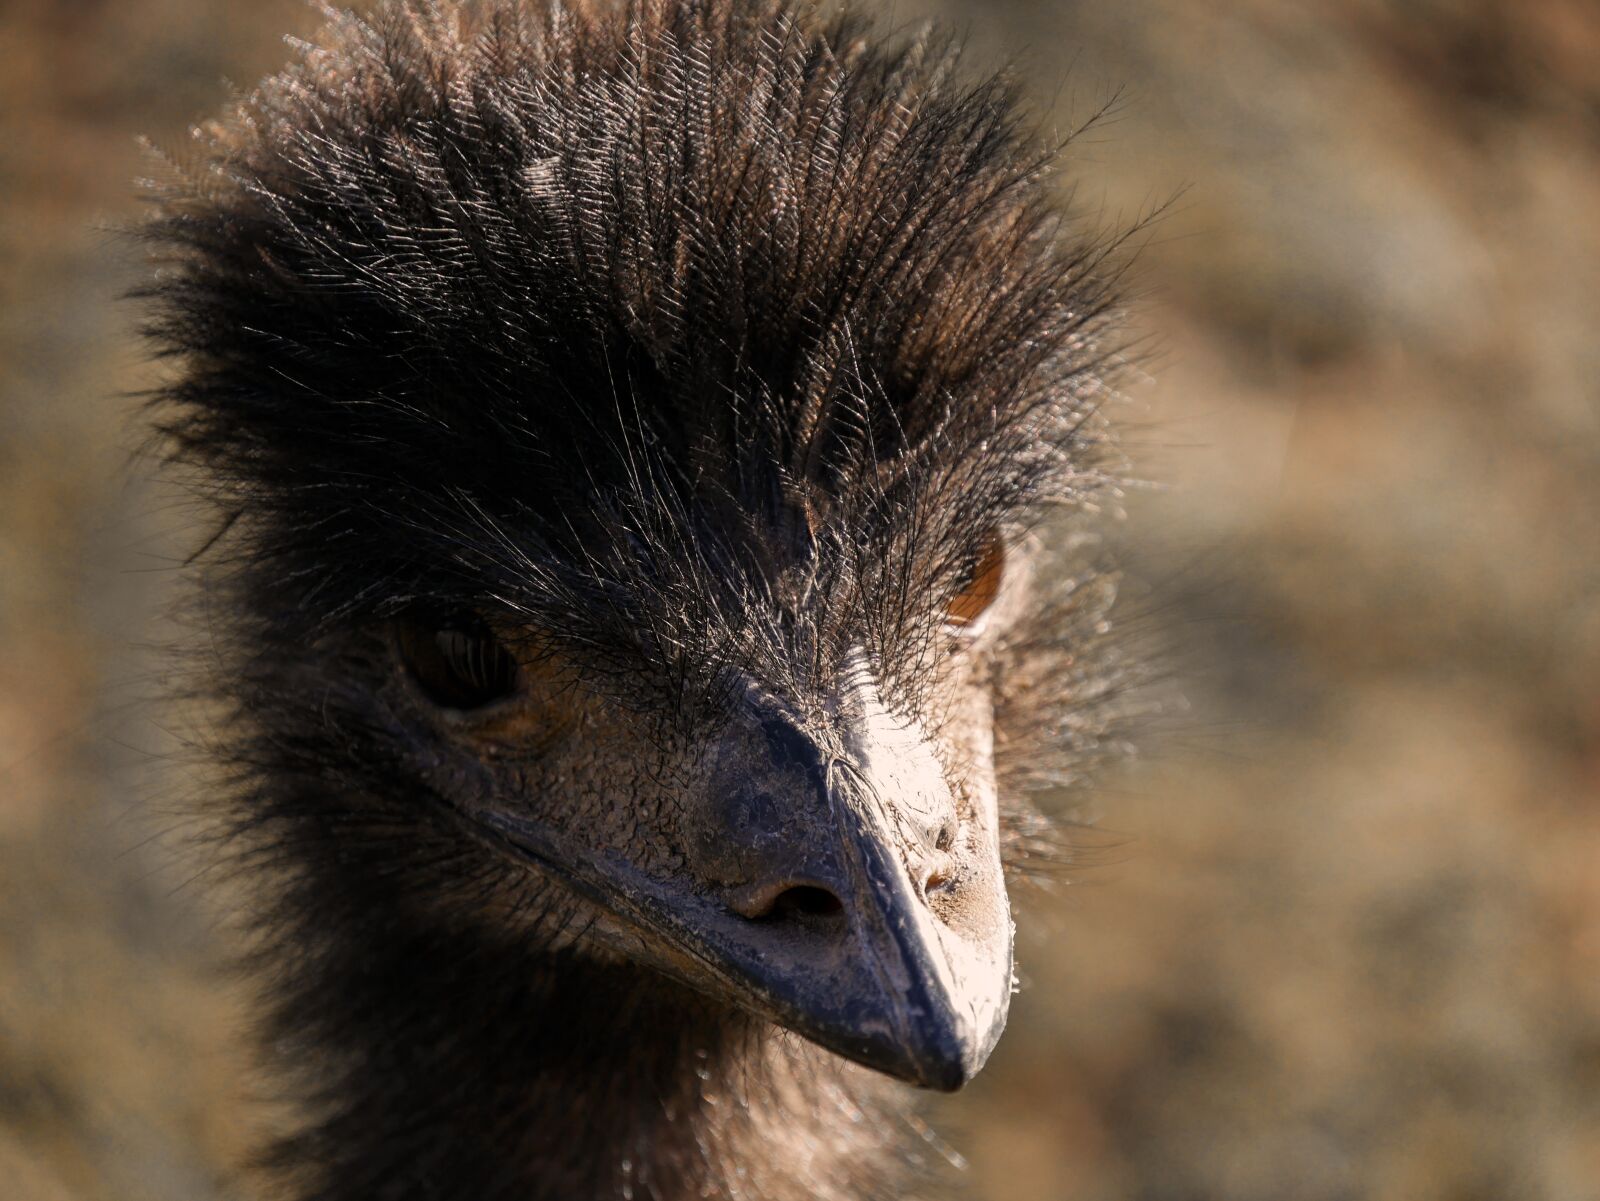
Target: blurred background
{"points": [[1339, 936]]}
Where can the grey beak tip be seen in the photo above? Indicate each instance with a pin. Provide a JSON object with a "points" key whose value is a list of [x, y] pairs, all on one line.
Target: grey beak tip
{"points": [[939, 1053], [950, 1063], [949, 1076]]}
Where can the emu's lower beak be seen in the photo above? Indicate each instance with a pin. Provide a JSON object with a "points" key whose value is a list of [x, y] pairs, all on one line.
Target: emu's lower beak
{"points": [[839, 893]]}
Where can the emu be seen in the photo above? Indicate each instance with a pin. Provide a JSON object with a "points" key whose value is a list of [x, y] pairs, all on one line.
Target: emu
{"points": [[630, 427]]}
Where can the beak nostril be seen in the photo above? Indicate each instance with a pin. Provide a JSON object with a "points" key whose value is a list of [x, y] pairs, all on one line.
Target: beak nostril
{"points": [[784, 900], [807, 900]]}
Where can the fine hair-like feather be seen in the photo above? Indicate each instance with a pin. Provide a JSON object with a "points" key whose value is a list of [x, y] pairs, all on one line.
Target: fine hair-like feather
{"points": [[702, 337], [620, 316]]}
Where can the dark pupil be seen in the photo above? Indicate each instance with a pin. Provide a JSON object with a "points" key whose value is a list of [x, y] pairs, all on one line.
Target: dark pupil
{"points": [[458, 663]]}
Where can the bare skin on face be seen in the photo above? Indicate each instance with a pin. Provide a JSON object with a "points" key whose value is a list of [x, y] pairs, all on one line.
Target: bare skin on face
{"points": [[842, 864]]}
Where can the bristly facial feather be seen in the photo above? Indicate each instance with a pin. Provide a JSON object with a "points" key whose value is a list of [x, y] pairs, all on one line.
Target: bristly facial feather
{"points": [[689, 343], [637, 324]]}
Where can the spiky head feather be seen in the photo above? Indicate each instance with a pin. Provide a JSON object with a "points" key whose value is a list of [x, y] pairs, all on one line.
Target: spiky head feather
{"points": [[704, 338], [699, 333]]}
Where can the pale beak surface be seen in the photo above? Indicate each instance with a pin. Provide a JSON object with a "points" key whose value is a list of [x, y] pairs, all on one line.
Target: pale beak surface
{"points": [[840, 891]]}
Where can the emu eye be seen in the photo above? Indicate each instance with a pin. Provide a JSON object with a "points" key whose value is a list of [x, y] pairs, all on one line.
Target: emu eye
{"points": [[457, 662], [980, 586]]}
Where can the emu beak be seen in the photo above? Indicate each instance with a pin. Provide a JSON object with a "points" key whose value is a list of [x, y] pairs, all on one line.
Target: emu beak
{"points": [[841, 892], [849, 950]]}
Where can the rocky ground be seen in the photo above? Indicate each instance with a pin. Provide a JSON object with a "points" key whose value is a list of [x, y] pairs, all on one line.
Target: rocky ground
{"points": [[1337, 936]]}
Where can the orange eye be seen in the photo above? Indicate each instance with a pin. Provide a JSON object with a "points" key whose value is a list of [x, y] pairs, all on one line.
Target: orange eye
{"points": [[981, 585]]}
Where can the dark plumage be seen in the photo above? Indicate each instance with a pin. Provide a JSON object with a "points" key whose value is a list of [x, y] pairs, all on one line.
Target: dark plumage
{"points": [[630, 424]]}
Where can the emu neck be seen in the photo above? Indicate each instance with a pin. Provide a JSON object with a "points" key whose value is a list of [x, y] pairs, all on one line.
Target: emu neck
{"points": [[452, 1072]]}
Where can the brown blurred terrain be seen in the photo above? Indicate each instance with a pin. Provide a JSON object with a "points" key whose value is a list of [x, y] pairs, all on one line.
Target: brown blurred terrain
{"points": [[1346, 941]]}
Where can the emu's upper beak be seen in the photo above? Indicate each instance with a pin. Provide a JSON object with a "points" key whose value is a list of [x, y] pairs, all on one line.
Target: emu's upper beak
{"points": [[841, 890]]}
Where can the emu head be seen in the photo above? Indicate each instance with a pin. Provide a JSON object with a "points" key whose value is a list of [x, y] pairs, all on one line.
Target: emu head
{"points": [[630, 421]]}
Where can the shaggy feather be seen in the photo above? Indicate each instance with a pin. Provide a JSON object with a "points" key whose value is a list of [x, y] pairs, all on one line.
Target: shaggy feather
{"points": [[706, 339]]}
